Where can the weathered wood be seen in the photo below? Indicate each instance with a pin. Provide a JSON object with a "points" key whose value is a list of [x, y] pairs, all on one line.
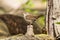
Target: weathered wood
{"points": [[53, 16], [49, 21], [56, 14]]}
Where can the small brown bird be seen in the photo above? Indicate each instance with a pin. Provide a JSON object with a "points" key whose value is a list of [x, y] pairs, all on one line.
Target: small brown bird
{"points": [[29, 17]]}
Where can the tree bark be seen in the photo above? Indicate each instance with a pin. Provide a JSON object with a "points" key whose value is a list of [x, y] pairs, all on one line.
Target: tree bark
{"points": [[49, 21], [53, 16], [56, 13]]}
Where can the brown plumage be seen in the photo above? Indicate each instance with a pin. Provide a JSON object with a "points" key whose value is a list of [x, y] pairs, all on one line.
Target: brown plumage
{"points": [[16, 24]]}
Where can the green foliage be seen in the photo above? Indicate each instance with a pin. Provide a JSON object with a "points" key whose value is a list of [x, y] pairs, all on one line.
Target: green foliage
{"points": [[29, 3], [27, 7], [35, 12], [41, 21], [57, 22], [27, 10], [44, 0]]}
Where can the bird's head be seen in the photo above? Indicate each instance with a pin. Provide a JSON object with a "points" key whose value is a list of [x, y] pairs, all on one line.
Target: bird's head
{"points": [[29, 17]]}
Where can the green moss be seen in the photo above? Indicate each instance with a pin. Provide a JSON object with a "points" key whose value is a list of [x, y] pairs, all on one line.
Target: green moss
{"points": [[45, 36]]}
